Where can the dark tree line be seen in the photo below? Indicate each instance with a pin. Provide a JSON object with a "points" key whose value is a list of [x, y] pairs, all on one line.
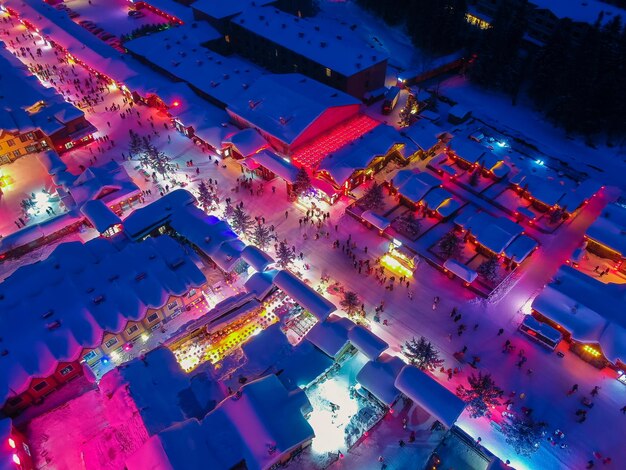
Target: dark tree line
{"points": [[577, 81]]}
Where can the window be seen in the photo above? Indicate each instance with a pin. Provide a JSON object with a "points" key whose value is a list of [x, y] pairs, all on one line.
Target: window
{"points": [[31, 148], [191, 293], [40, 386], [153, 317], [132, 329], [17, 153], [23, 138], [66, 370], [30, 136], [11, 142], [329, 72], [172, 305], [90, 355], [111, 342], [227, 38], [15, 401]]}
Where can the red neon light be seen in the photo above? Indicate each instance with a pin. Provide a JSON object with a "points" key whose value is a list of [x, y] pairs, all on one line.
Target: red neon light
{"points": [[311, 154]]}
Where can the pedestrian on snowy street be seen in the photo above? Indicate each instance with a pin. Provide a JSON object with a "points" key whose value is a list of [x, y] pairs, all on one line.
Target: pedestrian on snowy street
{"points": [[500, 331], [595, 390], [574, 389]]}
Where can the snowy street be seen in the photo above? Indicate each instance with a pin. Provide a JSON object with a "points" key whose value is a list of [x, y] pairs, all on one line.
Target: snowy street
{"points": [[541, 384]]}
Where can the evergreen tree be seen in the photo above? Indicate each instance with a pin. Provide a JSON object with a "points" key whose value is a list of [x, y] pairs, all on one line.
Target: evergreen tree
{"points": [[156, 160], [482, 395], [350, 302], [261, 236], [285, 255], [240, 221], [450, 245], [374, 198], [135, 146], [302, 183], [489, 269], [205, 196], [422, 354], [523, 434], [474, 177], [409, 224]]}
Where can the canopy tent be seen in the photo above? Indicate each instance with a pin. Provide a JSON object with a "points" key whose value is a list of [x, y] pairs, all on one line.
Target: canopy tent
{"points": [[381, 223], [461, 270]]}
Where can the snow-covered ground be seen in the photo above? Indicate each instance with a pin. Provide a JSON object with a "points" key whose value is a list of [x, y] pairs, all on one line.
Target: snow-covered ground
{"points": [[552, 376]]}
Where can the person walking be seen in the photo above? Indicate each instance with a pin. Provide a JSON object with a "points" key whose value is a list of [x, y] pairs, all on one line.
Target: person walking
{"points": [[573, 390]]}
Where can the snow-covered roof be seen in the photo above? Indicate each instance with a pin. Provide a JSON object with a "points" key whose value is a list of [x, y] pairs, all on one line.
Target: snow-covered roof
{"points": [[240, 430], [26, 91], [361, 152], [468, 150], [429, 394], [494, 233], [66, 303], [610, 228], [545, 190], [284, 106], [100, 216], [246, 141], [367, 342], [276, 164], [461, 270], [591, 311], [322, 40], [331, 335], [219, 9], [145, 219], [414, 185], [179, 52], [378, 377], [585, 11], [258, 259], [448, 207], [306, 296], [424, 134], [378, 221], [436, 197], [173, 8], [51, 161], [158, 390], [261, 283], [520, 248]]}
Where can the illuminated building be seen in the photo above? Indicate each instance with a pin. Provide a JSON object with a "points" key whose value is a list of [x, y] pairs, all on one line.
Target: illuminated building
{"points": [[34, 117], [15, 453], [398, 260], [589, 314], [605, 236], [85, 303]]}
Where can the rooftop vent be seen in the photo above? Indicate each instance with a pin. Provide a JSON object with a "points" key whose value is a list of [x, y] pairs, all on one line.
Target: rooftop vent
{"points": [[300, 34], [177, 263], [284, 26], [98, 300], [261, 17], [54, 325], [323, 44], [114, 277], [48, 314], [339, 37], [140, 276], [89, 290], [226, 76], [4, 352], [152, 256]]}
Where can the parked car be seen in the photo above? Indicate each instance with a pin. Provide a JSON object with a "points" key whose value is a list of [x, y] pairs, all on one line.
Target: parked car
{"points": [[97, 31], [73, 14], [85, 22], [106, 36]]}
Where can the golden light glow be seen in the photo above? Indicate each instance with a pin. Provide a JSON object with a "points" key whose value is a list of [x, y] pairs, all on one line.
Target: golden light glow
{"points": [[476, 21], [590, 350], [395, 266]]}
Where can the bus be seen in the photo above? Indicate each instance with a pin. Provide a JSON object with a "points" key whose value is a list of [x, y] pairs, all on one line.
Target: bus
{"points": [[541, 332]]}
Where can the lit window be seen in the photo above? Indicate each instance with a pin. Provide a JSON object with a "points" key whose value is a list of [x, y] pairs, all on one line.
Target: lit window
{"points": [[66, 370], [329, 72], [132, 329], [111, 342]]}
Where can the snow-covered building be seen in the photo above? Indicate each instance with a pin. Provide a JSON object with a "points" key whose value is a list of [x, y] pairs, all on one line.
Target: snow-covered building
{"points": [[607, 234], [179, 53], [378, 377], [331, 335], [367, 342], [244, 143], [85, 302], [109, 184], [412, 186], [155, 387], [304, 295], [365, 156], [34, 117], [212, 238], [429, 138], [323, 49], [261, 426], [290, 110], [100, 217], [589, 313], [430, 395]]}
